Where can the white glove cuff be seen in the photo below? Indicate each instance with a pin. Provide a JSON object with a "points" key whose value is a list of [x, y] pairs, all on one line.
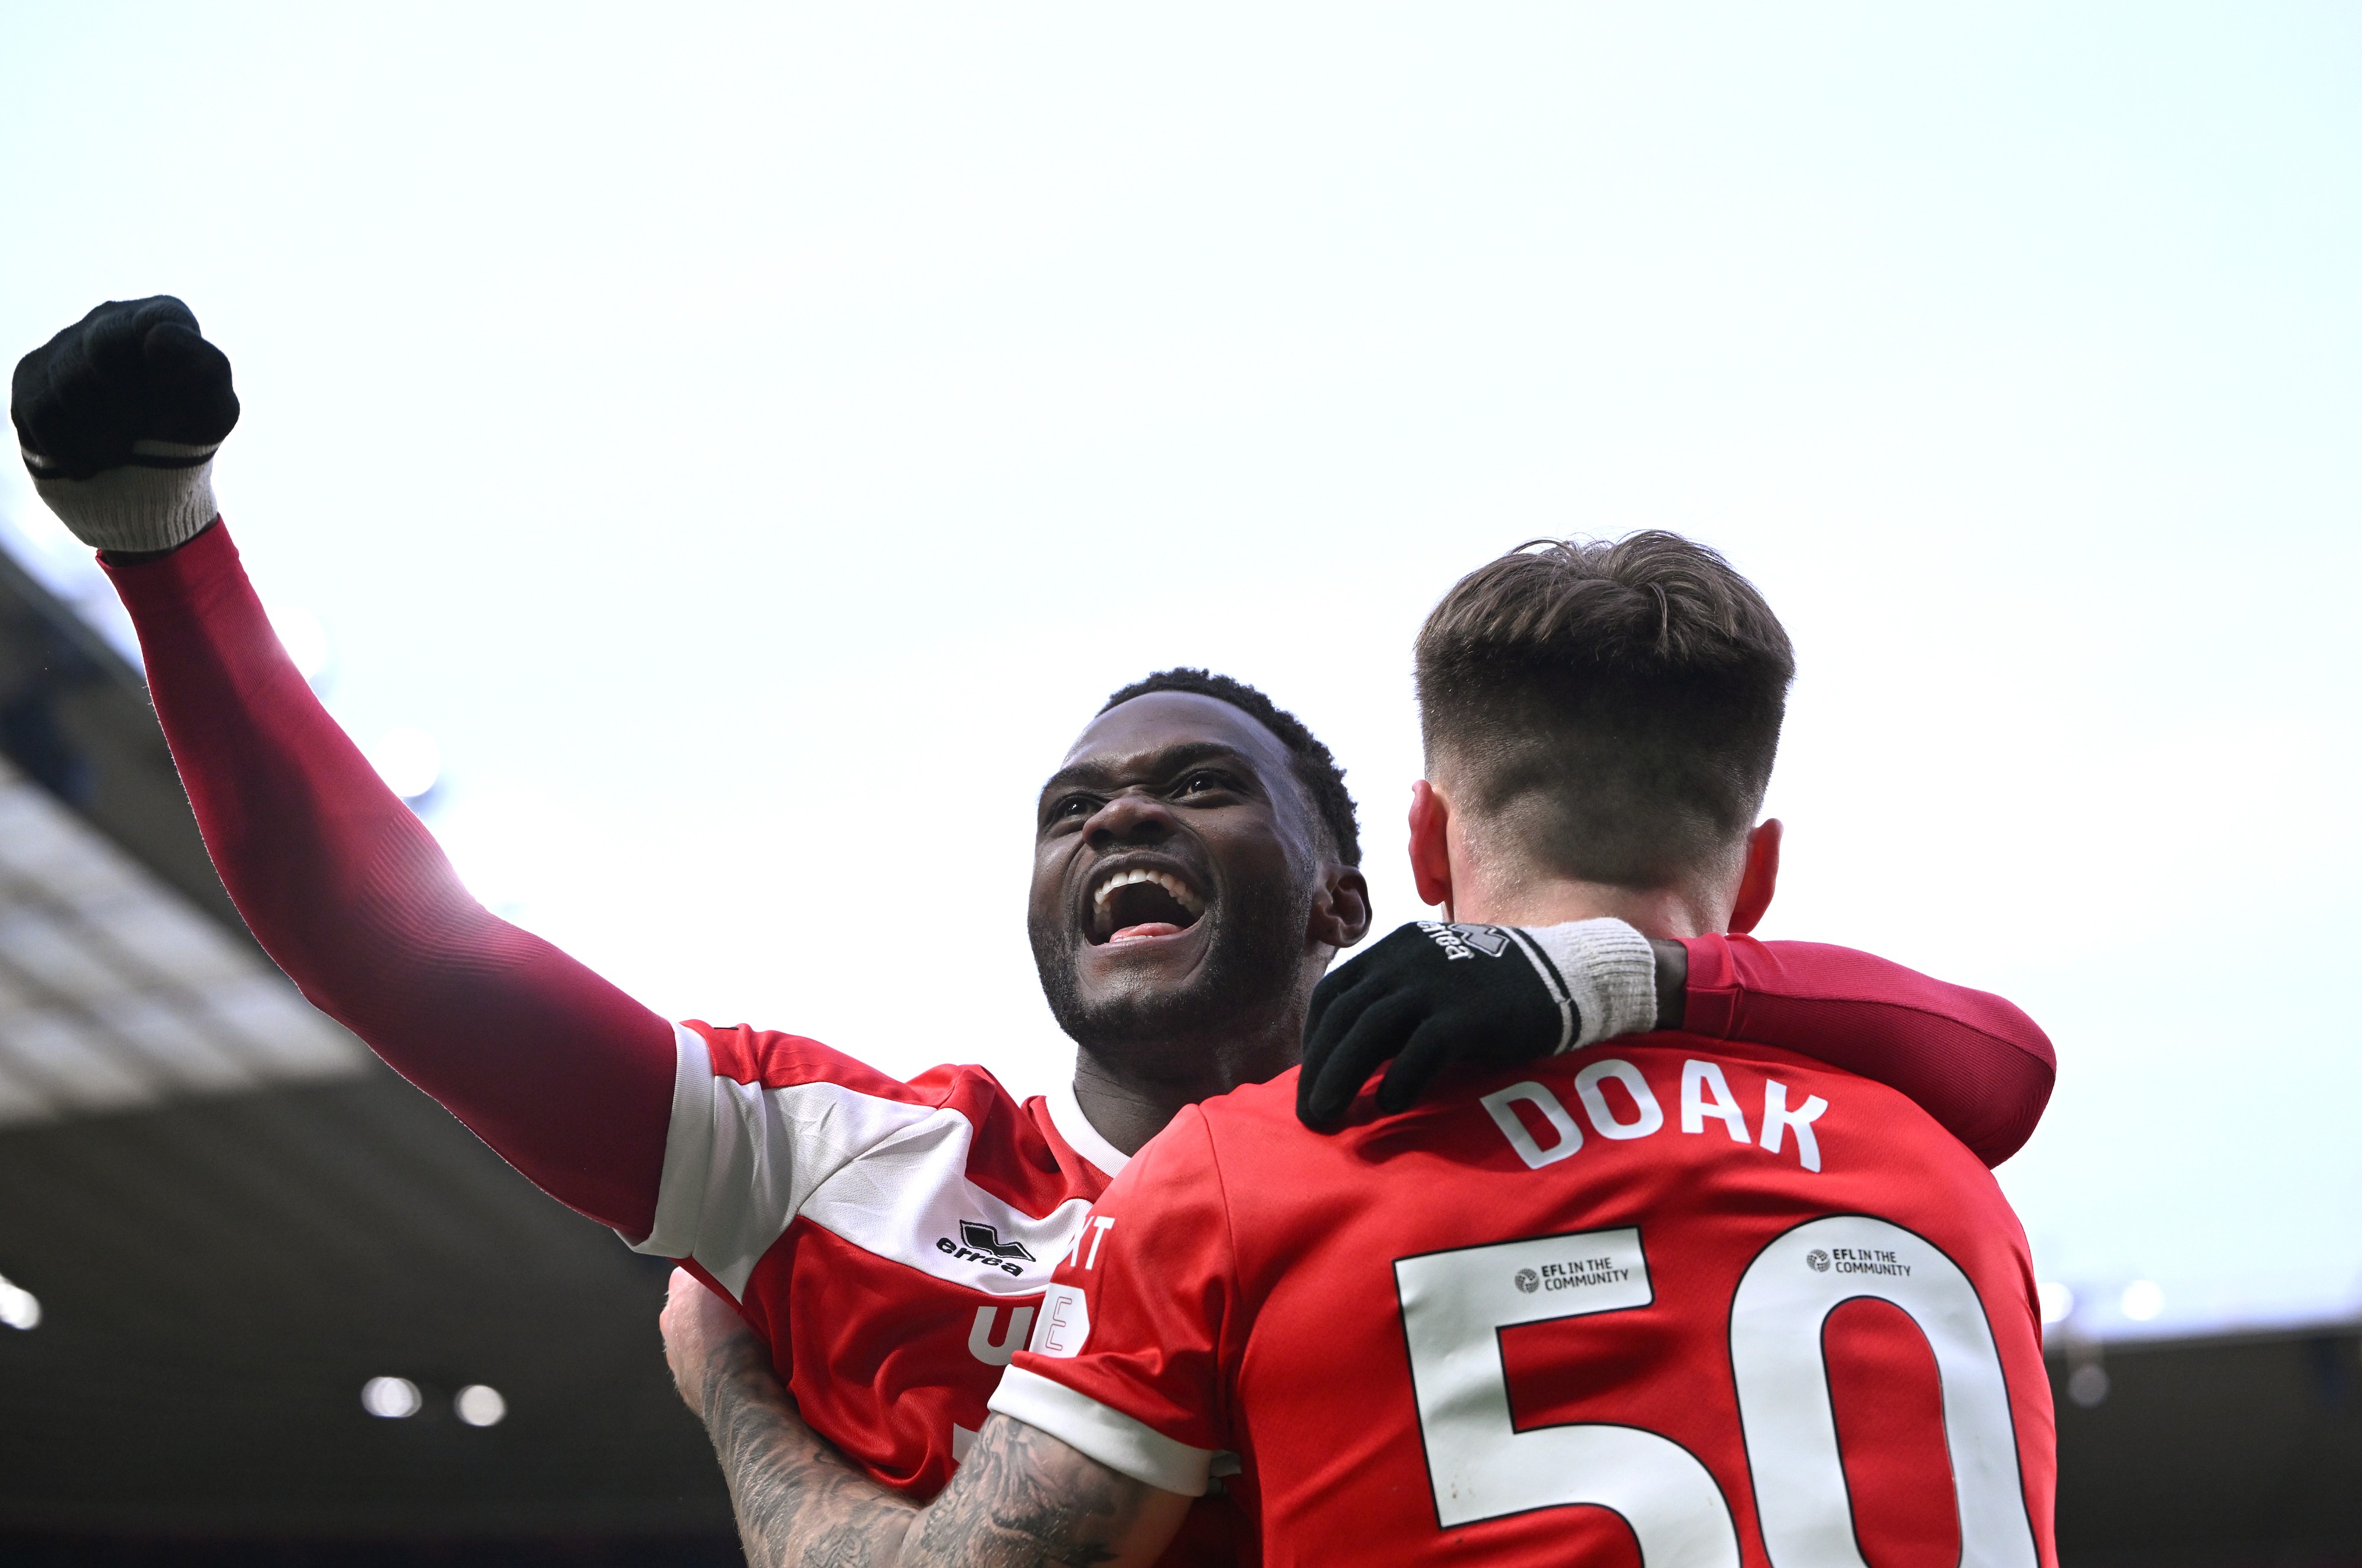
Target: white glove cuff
{"points": [[1609, 972], [137, 507]]}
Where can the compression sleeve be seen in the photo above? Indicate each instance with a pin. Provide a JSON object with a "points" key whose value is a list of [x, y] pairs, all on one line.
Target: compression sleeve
{"points": [[567, 1077], [1976, 1063]]}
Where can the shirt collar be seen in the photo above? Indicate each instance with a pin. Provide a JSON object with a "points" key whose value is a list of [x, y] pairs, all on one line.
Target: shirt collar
{"points": [[1066, 1116]]}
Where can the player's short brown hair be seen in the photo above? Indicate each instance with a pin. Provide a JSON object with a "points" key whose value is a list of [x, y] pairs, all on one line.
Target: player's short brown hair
{"points": [[1613, 707]]}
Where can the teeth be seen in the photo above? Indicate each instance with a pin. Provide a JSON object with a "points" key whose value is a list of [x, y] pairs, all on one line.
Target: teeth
{"points": [[1165, 880]]}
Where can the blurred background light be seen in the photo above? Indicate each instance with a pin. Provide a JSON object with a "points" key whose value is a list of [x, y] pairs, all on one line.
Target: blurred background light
{"points": [[19, 1308], [2143, 1299], [408, 760], [2087, 1385], [2057, 1301], [304, 638], [479, 1406], [390, 1398]]}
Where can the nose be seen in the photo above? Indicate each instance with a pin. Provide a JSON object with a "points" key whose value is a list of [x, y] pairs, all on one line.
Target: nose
{"points": [[1133, 817]]}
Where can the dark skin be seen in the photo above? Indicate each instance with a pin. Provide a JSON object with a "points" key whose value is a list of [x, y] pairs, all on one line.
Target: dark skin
{"points": [[1189, 787]]}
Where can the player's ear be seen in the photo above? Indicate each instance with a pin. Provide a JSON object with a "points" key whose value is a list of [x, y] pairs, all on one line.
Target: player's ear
{"points": [[1430, 851], [1761, 876], [1341, 913]]}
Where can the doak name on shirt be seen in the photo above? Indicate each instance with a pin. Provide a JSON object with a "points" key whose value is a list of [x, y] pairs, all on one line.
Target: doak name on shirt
{"points": [[1543, 1131]]}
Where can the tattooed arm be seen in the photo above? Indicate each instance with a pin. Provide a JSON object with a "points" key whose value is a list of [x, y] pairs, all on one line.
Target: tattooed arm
{"points": [[796, 1499], [1020, 1499]]}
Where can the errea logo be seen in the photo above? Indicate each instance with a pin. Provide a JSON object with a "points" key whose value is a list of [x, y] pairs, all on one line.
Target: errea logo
{"points": [[984, 1245]]}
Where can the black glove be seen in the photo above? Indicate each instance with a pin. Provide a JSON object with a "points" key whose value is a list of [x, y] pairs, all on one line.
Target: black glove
{"points": [[1431, 995], [118, 417]]}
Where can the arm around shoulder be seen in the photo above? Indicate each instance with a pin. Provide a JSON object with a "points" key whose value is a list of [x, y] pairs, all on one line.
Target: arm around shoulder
{"points": [[1974, 1061]]}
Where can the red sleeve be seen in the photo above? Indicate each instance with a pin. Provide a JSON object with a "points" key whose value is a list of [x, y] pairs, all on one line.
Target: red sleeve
{"points": [[567, 1077], [1973, 1062], [1126, 1359]]}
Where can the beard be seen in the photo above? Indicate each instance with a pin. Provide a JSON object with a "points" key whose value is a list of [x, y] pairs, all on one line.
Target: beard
{"points": [[1253, 970]]}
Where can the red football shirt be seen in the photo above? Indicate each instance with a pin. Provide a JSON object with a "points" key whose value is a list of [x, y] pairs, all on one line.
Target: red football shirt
{"points": [[1716, 1303]]}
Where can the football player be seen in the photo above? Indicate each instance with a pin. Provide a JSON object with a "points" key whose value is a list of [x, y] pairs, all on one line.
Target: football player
{"points": [[1718, 1302], [888, 1241]]}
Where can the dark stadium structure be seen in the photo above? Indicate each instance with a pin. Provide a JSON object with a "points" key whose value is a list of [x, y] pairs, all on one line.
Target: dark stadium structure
{"points": [[232, 1217]]}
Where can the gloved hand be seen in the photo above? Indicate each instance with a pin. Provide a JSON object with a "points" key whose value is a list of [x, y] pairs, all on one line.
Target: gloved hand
{"points": [[1431, 995], [118, 417]]}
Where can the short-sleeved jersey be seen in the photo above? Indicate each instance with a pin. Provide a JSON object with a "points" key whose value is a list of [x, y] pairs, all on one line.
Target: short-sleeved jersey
{"points": [[1716, 1303], [891, 1240]]}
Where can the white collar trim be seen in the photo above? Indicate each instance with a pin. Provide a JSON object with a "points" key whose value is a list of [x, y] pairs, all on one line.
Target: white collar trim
{"points": [[1066, 1116]]}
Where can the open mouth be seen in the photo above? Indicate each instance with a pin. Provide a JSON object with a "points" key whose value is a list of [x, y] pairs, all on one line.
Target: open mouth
{"points": [[1138, 902]]}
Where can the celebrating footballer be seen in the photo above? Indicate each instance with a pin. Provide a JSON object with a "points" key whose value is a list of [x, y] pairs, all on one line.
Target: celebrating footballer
{"points": [[1581, 1213]]}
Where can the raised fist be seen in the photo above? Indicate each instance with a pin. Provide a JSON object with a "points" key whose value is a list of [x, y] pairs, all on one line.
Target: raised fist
{"points": [[118, 417]]}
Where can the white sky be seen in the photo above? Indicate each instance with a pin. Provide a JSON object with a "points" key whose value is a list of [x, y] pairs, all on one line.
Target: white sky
{"points": [[752, 444]]}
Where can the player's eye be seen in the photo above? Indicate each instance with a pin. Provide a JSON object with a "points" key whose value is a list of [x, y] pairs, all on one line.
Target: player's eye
{"points": [[1202, 783], [1073, 808]]}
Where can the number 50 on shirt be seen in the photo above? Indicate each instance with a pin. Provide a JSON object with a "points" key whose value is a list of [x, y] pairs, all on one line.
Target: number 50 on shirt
{"points": [[1455, 1303]]}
